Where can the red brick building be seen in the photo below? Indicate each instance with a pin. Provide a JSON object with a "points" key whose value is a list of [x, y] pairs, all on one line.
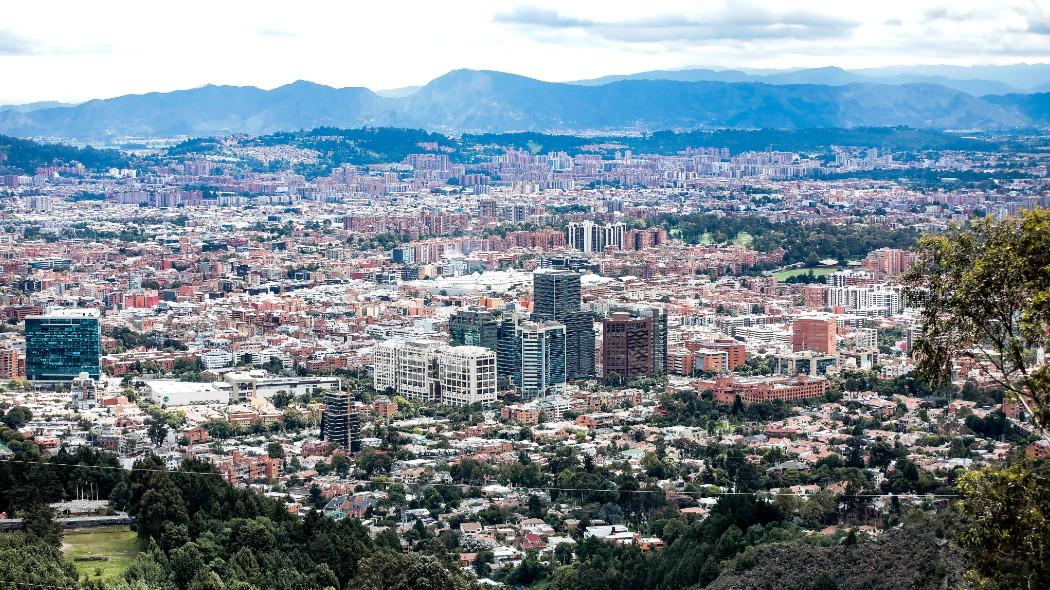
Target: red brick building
{"points": [[813, 333], [753, 391]]}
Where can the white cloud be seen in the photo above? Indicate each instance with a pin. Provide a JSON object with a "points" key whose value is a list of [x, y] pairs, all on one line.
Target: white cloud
{"points": [[87, 49]]}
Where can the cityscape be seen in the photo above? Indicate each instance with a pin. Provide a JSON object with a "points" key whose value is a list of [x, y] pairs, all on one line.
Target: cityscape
{"points": [[493, 332]]}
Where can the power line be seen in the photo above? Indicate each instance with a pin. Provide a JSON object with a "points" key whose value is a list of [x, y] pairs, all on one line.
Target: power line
{"points": [[702, 494], [2, 582]]}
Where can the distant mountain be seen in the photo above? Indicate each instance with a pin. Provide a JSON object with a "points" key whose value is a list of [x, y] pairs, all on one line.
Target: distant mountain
{"points": [[825, 76], [484, 100], [487, 101], [1033, 107], [34, 106], [1024, 77], [207, 110], [398, 92]]}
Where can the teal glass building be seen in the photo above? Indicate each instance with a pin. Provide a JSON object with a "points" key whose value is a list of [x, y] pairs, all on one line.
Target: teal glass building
{"points": [[63, 344]]}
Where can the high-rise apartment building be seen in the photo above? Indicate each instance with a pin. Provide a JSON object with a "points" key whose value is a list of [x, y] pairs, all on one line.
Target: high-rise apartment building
{"points": [[542, 359], [588, 236], [468, 375], [658, 317], [813, 333], [62, 344], [341, 421], [335, 426], [627, 348]]}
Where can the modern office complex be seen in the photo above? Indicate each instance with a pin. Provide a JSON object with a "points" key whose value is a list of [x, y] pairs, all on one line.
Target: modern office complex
{"points": [[658, 334], [63, 344], [431, 372], [474, 326], [556, 297], [816, 333], [468, 375], [542, 359]]}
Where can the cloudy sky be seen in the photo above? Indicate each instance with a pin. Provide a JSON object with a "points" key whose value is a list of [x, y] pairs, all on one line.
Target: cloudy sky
{"points": [[73, 50]]}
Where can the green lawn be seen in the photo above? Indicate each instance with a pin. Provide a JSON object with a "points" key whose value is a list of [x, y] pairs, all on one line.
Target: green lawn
{"points": [[743, 239], [119, 544], [783, 275]]}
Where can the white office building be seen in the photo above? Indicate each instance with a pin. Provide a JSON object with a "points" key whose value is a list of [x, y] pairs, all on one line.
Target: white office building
{"points": [[468, 375]]}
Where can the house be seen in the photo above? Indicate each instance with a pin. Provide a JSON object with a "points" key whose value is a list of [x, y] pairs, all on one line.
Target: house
{"points": [[651, 544], [470, 528], [612, 533], [531, 541], [355, 506]]}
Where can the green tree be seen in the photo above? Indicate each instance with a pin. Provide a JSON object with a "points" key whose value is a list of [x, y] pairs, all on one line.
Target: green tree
{"points": [[17, 417], [398, 571], [275, 450], [985, 295], [1008, 537]]}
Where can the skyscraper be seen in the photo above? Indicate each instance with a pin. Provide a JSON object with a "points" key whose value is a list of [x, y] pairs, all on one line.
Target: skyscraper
{"points": [[542, 359], [508, 350], [556, 293], [658, 334], [63, 344], [627, 347], [556, 297]]}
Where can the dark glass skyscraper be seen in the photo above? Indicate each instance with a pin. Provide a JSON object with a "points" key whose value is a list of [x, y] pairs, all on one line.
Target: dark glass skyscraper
{"points": [[63, 344], [556, 296]]}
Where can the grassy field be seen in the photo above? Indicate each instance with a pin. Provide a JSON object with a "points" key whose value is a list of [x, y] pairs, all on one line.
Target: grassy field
{"points": [[783, 275], [120, 545], [743, 239]]}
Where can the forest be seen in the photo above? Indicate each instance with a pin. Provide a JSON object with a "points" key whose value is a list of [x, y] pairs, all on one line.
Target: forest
{"points": [[802, 243]]}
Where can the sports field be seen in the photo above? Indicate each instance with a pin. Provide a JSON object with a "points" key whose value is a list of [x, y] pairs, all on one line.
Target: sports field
{"points": [[120, 545], [783, 275]]}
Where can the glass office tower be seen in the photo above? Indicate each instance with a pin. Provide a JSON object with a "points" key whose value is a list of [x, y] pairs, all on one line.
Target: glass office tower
{"points": [[62, 344]]}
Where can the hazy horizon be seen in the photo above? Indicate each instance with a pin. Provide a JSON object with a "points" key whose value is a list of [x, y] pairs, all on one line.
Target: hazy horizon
{"points": [[394, 46]]}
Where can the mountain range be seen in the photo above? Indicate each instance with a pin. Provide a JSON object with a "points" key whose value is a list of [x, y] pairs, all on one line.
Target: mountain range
{"points": [[974, 80], [489, 101]]}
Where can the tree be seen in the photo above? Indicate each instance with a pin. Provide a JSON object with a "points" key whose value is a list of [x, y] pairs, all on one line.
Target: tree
{"points": [[985, 296], [396, 571], [281, 399], [275, 450], [563, 553], [28, 562], [157, 430], [1007, 539], [40, 524], [17, 417], [482, 563]]}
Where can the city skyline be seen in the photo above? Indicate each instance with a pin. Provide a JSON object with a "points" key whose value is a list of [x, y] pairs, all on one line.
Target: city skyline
{"points": [[268, 47]]}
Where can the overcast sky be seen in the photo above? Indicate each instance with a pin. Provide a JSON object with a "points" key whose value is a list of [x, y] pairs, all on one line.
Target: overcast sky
{"points": [[73, 50]]}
